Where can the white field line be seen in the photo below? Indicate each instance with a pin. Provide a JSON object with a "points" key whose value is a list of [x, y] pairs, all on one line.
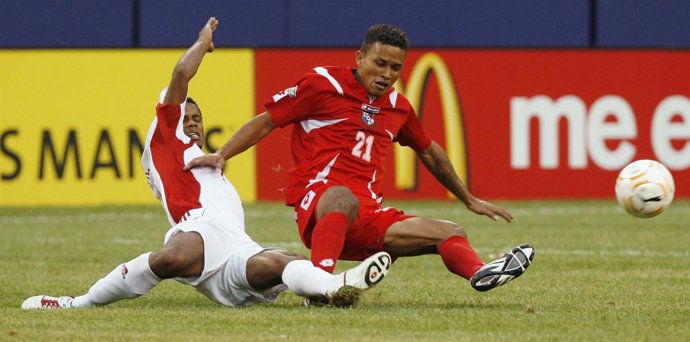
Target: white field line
{"points": [[285, 213], [550, 211], [130, 241], [492, 253], [120, 216], [615, 253], [461, 210], [289, 214], [72, 218], [129, 217], [569, 210]]}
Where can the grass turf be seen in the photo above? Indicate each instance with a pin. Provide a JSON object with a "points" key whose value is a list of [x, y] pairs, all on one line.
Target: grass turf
{"points": [[598, 275]]}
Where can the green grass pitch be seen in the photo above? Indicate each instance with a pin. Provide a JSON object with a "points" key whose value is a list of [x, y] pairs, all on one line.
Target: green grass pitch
{"points": [[598, 275]]}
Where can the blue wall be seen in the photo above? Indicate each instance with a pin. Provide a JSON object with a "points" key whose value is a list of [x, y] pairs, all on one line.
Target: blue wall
{"points": [[341, 23], [647, 23], [67, 23]]}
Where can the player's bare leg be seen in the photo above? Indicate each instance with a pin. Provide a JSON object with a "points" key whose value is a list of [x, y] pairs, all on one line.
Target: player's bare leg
{"points": [[417, 236], [182, 256]]}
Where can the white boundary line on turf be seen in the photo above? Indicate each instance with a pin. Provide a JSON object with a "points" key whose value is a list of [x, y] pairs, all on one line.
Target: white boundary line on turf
{"points": [[540, 251], [67, 218], [550, 211], [288, 213], [621, 253], [118, 216]]}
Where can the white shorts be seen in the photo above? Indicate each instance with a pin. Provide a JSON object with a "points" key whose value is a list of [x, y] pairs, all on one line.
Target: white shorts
{"points": [[227, 248]]}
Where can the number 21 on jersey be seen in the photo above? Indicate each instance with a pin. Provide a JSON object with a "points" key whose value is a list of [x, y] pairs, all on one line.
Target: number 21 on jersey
{"points": [[363, 147]]}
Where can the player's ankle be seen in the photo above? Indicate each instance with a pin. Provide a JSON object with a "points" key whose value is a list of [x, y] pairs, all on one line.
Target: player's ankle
{"points": [[83, 302]]}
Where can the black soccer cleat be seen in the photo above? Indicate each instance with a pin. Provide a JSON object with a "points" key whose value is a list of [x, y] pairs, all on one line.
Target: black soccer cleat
{"points": [[500, 271]]}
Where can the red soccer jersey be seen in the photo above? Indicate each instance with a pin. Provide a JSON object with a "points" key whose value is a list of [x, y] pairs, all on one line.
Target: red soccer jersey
{"points": [[166, 152], [341, 135]]}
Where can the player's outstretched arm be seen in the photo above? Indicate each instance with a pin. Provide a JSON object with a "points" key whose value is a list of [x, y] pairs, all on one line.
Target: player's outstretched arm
{"points": [[189, 63], [436, 161], [247, 136]]}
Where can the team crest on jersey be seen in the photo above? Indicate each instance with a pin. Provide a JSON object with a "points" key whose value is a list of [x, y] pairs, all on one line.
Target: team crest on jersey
{"points": [[368, 119], [291, 92], [368, 113]]}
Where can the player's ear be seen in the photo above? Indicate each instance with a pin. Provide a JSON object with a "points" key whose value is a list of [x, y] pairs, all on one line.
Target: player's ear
{"points": [[359, 56]]}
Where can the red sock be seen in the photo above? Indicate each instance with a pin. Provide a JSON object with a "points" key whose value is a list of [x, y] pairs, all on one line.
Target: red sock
{"points": [[328, 240], [459, 257]]}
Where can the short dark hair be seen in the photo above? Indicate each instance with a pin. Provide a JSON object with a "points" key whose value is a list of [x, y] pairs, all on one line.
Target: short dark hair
{"points": [[385, 34], [191, 100]]}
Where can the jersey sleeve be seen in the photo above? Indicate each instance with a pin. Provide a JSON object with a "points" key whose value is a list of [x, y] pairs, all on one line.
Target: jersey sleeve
{"points": [[296, 102], [168, 120], [412, 134]]}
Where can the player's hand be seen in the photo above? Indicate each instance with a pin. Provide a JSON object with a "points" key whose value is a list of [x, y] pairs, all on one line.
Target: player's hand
{"points": [[206, 33], [492, 211], [210, 160]]}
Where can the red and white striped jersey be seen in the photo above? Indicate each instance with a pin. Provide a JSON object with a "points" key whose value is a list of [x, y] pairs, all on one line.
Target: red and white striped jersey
{"points": [[341, 135], [166, 152]]}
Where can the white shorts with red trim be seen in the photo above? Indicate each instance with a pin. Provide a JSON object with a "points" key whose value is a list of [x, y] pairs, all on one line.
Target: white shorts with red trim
{"points": [[227, 248]]}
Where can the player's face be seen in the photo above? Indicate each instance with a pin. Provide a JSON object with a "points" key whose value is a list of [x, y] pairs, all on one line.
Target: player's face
{"points": [[193, 125], [379, 67]]}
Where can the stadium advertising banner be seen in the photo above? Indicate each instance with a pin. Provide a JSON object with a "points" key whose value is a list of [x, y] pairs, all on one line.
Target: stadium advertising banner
{"points": [[517, 124], [74, 122]]}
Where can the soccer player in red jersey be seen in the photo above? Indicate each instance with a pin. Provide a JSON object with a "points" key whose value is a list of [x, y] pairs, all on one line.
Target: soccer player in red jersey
{"points": [[345, 121], [207, 247]]}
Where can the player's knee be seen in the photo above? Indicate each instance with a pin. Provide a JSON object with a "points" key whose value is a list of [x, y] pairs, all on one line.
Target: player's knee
{"points": [[341, 199], [265, 269], [167, 263], [459, 232], [274, 261], [290, 256], [450, 229], [349, 206], [161, 263], [279, 258]]}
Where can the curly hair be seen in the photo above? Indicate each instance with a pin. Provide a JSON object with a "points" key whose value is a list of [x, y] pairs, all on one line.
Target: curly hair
{"points": [[191, 100], [385, 34]]}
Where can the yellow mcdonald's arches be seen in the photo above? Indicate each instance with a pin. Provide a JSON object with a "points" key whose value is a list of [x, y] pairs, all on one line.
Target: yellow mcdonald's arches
{"points": [[452, 118]]}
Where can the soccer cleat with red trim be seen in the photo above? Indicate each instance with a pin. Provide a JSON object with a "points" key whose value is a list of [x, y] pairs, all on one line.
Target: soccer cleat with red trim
{"points": [[500, 271], [48, 302]]}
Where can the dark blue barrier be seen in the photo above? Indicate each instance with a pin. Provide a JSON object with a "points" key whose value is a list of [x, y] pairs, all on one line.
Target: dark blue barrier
{"points": [[344, 23], [317, 23], [444, 23], [643, 23], [66, 23], [175, 23], [341, 23], [519, 23]]}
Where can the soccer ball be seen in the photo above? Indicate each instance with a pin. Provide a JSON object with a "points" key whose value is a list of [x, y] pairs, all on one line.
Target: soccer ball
{"points": [[645, 188]]}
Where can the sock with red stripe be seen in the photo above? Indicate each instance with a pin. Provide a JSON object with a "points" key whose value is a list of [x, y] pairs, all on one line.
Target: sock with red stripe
{"points": [[328, 240], [129, 280], [459, 257]]}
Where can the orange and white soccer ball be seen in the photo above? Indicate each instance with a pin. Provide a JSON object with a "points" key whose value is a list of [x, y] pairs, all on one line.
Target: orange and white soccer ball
{"points": [[645, 188]]}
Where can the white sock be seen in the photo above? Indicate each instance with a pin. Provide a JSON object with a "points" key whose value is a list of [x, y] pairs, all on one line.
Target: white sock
{"points": [[305, 280], [129, 280]]}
